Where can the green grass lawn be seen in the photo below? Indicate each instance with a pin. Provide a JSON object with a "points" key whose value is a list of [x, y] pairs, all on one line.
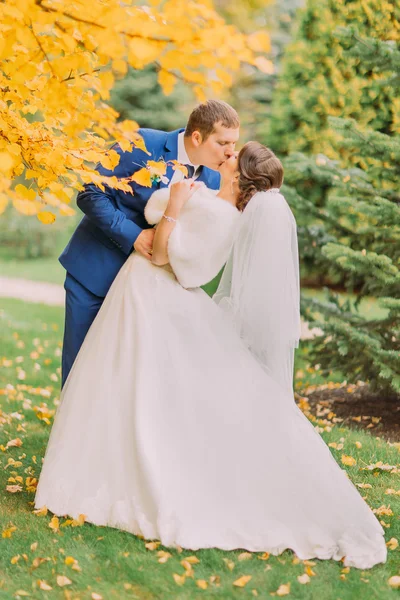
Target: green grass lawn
{"points": [[100, 561]]}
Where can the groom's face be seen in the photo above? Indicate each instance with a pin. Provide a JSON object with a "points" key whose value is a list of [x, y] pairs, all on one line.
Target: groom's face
{"points": [[217, 148]]}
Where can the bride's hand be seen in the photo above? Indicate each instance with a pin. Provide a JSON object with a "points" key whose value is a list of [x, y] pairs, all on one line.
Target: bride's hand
{"points": [[181, 192]]}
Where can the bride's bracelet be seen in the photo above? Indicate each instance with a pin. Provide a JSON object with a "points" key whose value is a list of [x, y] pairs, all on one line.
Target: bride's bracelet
{"points": [[170, 219]]}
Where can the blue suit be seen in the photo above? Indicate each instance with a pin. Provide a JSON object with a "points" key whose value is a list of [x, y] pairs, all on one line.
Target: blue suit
{"points": [[104, 238]]}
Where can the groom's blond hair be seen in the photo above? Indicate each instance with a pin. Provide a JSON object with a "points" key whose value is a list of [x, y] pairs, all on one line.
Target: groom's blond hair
{"points": [[206, 115]]}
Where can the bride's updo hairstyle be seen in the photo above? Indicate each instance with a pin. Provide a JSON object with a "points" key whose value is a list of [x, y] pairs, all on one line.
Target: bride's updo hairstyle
{"points": [[259, 170]]}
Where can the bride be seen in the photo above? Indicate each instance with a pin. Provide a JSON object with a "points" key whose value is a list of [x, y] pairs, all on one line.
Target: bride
{"points": [[177, 421]]}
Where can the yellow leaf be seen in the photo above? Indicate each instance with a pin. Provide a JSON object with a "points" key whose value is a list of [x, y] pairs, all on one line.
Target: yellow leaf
{"points": [[349, 461], [63, 580], [79, 521], [34, 546], [54, 524], [6, 161], [95, 596], [142, 177], [21, 593], [229, 563], [110, 160], [264, 65], [283, 590], [46, 217], [193, 560], [69, 560], [167, 81], [179, 579], [259, 41], [264, 556], [120, 66], [242, 581], [245, 556], [202, 584], [163, 556], [303, 578], [392, 544], [41, 512], [16, 442], [26, 207], [7, 533], [177, 166], [394, 582], [157, 168], [25, 193], [152, 545], [310, 572], [44, 586], [15, 559]]}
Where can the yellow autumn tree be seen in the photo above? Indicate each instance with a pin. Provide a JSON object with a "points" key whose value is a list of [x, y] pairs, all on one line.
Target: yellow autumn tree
{"points": [[58, 62]]}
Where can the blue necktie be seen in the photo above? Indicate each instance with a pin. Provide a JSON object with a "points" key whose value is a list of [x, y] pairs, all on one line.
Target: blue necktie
{"points": [[190, 169]]}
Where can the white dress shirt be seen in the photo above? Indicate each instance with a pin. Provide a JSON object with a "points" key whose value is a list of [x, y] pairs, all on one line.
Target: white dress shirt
{"points": [[184, 160]]}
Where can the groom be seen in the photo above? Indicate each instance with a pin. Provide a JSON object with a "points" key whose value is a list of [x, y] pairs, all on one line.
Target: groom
{"points": [[114, 223]]}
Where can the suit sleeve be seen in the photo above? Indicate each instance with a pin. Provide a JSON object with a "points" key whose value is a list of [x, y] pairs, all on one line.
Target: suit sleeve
{"points": [[100, 206]]}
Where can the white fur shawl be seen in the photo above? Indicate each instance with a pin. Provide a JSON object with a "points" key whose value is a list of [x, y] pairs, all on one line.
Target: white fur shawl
{"points": [[199, 245]]}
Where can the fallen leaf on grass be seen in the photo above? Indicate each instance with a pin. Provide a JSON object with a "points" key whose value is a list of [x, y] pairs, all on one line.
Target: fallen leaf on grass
{"points": [[264, 556], [229, 563], [163, 556], [95, 596], [15, 559], [179, 579], [55, 524], [43, 585], [303, 578], [364, 486], [40, 512], [392, 544], [245, 556], [63, 580], [392, 492], [383, 510], [242, 581], [14, 443], [349, 461], [152, 545], [7, 533], [13, 489], [283, 590], [193, 560], [394, 582], [188, 568], [202, 584]]}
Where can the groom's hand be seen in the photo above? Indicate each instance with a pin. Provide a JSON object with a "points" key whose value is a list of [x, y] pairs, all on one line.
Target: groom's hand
{"points": [[144, 243]]}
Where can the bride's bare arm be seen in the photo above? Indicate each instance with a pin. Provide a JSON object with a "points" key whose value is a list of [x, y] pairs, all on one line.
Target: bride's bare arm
{"points": [[180, 194]]}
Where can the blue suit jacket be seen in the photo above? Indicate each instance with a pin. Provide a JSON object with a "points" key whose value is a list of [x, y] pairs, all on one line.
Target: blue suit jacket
{"points": [[113, 219]]}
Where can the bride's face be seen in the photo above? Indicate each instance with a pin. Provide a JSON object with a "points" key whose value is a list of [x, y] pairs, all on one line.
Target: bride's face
{"points": [[229, 169]]}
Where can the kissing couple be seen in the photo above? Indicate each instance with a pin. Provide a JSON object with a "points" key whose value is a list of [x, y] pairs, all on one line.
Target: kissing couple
{"points": [[177, 420]]}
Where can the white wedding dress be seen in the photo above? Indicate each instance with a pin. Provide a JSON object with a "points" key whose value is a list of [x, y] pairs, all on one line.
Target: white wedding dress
{"points": [[169, 428]]}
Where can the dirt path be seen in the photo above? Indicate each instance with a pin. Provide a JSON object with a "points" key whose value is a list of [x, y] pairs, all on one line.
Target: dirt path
{"points": [[54, 295]]}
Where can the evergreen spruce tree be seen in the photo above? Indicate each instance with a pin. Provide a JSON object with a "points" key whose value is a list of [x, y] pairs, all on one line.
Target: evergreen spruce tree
{"points": [[362, 219], [320, 79], [138, 96]]}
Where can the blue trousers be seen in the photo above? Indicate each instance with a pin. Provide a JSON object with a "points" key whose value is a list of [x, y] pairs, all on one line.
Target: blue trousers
{"points": [[81, 308]]}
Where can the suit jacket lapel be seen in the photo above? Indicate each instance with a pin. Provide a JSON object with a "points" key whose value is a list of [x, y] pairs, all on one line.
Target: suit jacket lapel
{"points": [[170, 153]]}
